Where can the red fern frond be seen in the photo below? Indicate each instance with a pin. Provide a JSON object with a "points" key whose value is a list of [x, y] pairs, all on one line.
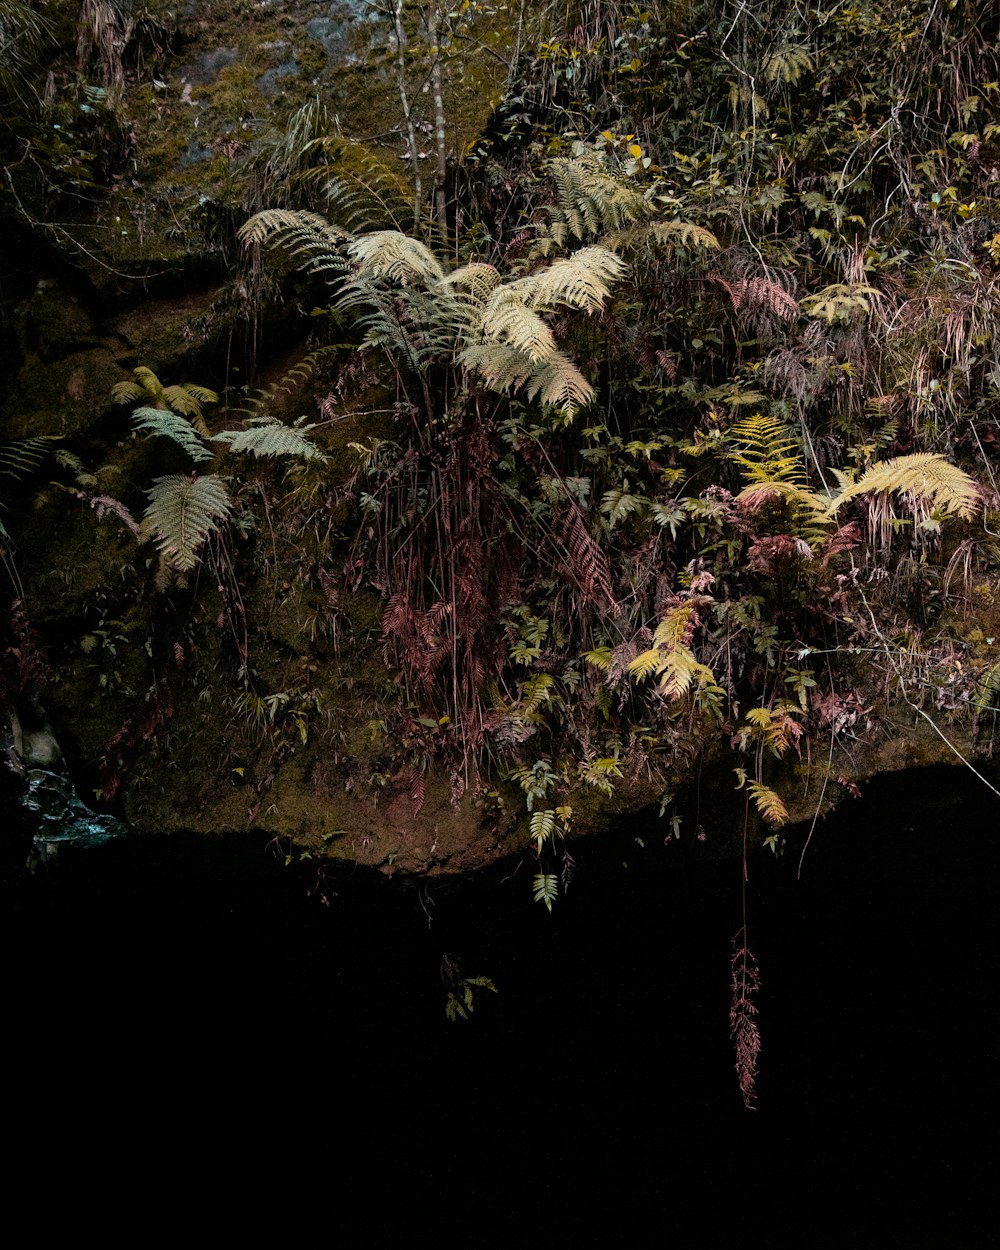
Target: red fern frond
{"points": [[418, 789], [742, 1025], [587, 565]]}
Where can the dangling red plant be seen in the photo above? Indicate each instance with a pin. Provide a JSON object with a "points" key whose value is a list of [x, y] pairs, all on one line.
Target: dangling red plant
{"points": [[742, 1025]]}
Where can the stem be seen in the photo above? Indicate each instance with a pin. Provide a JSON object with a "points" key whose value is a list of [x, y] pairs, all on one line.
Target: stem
{"points": [[411, 134]]}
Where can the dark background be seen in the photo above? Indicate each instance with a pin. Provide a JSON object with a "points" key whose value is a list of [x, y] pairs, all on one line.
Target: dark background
{"points": [[188, 1014]]}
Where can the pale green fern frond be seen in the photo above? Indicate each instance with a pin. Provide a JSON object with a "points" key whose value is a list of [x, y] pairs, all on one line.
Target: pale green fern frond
{"points": [[182, 512], [507, 320], [788, 64], [390, 254], [312, 242], [557, 381], [267, 436], [502, 368], [553, 380], [20, 457], [580, 281], [479, 279], [591, 200], [926, 476], [167, 424]]}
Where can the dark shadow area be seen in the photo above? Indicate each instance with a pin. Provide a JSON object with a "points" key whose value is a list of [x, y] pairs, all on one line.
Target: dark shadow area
{"points": [[193, 1004]]}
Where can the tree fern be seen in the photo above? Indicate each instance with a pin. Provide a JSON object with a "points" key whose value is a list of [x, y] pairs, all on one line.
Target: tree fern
{"points": [[182, 512], [267, 436]]}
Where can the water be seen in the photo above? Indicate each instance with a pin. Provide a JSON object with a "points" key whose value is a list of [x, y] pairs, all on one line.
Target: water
{"points": [[194, 994]]}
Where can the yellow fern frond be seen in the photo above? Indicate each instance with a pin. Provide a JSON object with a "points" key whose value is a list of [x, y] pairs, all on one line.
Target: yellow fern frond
{"points": [[926, 476], [769, 804], [661, 234], [788, 64]]}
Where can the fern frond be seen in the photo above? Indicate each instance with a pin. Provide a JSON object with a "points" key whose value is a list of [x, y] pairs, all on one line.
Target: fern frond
{"points": [[167, 424], [182, 512], [788, 64], [390, 254], [201, 394], [580, 281], [989, 690], [149, 382], [546, 887], [507, 320], [20, 457], [769, 804], [127, 393], [767, 451], [310, 239], [543, 827], [661, 234], [672, 659], [924, 475], [479, 279], [591, 200], [267, 436], [557, 381]]}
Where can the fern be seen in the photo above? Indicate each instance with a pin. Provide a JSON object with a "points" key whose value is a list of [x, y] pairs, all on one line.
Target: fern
{"points": [[390, 254], [507, 320], [989, 687], [672, 660], [546, 887], [267, 436], [22, 456], [579, 281], [926, 476], [182, 512], [591, 201], [769, 804], [168, 424], [543, 827], [186, 399], [661, 234], [309, 239], [767, 451], [788, 64]]}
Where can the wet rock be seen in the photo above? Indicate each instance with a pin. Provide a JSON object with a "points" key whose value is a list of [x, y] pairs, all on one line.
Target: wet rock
{"points": [[269, 84]]}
